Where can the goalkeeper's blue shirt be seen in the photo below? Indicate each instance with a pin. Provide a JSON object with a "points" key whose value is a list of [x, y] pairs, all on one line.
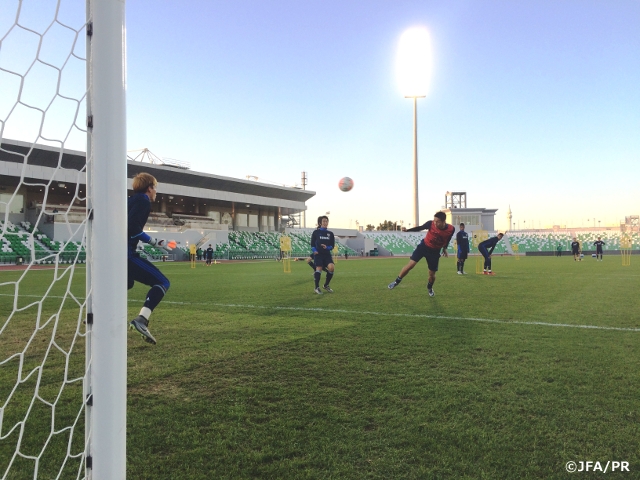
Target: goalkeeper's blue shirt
{"points": [[139, 207]]}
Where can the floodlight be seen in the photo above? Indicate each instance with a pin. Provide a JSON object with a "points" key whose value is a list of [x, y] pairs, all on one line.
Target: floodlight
{"points": [[414, 61]]}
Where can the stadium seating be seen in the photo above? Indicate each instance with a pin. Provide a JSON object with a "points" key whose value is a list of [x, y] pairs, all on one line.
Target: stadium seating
{"points": [[395, 242], [548, 242], [159, 219], [16, 243], [153, 252], [262, 245], [404, 243], [540, 241]]}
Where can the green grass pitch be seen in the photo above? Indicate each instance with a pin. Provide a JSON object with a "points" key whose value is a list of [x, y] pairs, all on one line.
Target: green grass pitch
{"points": [[512, 376]]}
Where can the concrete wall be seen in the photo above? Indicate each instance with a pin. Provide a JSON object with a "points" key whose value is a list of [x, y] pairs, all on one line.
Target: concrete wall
{"points": [[360, 242]]}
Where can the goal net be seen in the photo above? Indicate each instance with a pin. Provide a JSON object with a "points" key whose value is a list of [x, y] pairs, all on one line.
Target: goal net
{"points": [[62, 401]]}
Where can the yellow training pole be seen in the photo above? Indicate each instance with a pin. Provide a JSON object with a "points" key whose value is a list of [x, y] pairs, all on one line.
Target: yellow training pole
{"points": [[285, 251], [192, 254], [625, 250]]}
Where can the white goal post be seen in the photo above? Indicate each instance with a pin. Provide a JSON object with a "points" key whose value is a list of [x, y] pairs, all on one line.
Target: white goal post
{"points": [[106, 202], [63, 322]]}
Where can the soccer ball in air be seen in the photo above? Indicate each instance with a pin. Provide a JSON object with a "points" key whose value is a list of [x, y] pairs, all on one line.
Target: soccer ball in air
{"points": [[345, 184]]}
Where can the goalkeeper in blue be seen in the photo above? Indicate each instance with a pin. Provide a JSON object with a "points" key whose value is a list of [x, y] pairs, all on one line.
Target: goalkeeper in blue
{"points": [[484, 247], [140, 269], [322, 243]]}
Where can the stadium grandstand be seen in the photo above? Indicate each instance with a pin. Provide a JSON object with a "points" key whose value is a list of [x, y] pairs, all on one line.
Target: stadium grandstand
{"points": [[241, 219], [191, 207]]}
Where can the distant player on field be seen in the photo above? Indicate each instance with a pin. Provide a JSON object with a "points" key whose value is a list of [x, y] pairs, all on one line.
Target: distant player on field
{"points": [[438, 236], [462, 240], [140, 269], [484, 247], [599, 243], [576, 250], [208, 253], [322, 243]]}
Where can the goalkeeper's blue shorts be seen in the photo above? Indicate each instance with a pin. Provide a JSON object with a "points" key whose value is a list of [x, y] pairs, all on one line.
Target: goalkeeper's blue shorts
{"points": [[143, 271]]}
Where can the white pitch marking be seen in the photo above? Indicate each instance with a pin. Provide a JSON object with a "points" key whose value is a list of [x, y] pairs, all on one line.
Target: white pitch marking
{"points": [[411, 315], [381, 314]]}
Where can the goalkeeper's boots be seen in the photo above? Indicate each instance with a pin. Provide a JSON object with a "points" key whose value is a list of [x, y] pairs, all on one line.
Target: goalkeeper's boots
{"points": [[392, 285], [328, 288], [431, 292], [141, 324], [318, 291]]}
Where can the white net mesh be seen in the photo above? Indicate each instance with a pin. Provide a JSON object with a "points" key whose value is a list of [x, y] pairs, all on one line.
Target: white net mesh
{"points": [[42, 238]]}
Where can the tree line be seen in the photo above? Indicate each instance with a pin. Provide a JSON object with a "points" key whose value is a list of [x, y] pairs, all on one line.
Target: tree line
{"points": [[387, 225]]}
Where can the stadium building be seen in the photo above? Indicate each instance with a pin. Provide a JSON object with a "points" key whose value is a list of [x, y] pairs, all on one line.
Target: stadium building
{"points": [[241, 219], [189, 204]]}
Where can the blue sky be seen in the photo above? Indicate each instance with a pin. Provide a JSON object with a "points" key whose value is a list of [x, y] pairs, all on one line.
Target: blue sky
{"points": [[533, 104]]}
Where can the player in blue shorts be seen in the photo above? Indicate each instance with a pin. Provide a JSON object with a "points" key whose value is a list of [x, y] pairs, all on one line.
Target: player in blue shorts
{"points": [[462, 240], [438, 236], [484, 247], [322, 243], [140, 269]]}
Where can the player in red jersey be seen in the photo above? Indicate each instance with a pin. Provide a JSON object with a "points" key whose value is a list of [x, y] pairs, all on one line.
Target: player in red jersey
{"points": [[438, 236]]}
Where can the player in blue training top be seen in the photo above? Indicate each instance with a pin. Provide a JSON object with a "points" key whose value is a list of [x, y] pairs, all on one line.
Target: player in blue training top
{"points": [[438, 236], [140, 269], [599, 243], [312, 263], [322, 243], [483, 247], [462, 240]]}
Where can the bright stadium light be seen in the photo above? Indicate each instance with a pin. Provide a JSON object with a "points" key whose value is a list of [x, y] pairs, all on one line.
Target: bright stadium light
{"points": [[413, 65], [413, 69]]}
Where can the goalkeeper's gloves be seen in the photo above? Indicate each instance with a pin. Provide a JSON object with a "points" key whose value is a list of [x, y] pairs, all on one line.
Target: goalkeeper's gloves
{"points": [[154, 241]]}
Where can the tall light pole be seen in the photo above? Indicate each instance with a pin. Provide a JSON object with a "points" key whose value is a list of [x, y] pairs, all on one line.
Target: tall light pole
{"points": [[414, 70], [416, 208]]}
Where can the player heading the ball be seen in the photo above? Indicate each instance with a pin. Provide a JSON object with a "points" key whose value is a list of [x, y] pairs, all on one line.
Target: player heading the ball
{"points": [[438, 236]]}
